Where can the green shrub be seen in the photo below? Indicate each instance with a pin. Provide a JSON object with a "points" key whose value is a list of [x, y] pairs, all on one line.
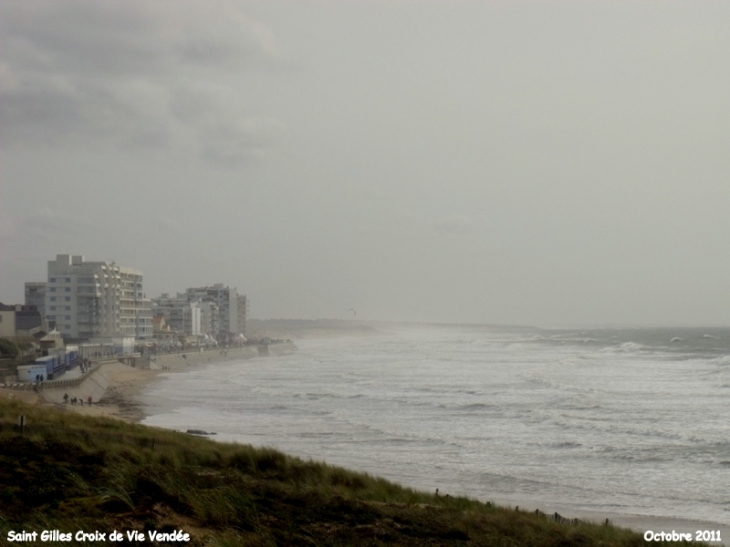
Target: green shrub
{"points": [[8, 348]]}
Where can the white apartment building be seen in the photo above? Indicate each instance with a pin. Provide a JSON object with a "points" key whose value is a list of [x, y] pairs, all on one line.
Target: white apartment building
{"points": [[242, 313], [215, 310], [226, 298], [209, 317], [93, 299], [170, 307], [195, 318], [192, 324]]}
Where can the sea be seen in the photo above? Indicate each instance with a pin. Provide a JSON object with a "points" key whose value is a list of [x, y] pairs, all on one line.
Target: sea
{"points": [[632, 421]]}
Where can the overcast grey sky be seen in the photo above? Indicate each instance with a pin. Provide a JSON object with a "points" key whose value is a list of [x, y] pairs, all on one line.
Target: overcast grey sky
{"points": [[528, 162]]}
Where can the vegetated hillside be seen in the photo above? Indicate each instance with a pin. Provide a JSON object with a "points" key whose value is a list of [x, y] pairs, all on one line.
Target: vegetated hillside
{"points": [[73, 473]]}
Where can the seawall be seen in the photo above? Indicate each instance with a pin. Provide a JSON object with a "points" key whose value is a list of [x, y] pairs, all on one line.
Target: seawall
{"points": [[187, 358], [93, 384]]}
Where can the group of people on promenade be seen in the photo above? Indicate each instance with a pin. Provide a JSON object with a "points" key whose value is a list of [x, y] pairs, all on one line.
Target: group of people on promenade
{"points": [[85, 365], [76, 400]]}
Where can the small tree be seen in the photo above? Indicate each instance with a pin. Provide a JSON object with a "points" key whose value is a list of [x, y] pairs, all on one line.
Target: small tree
{"points": [[8, 349]]}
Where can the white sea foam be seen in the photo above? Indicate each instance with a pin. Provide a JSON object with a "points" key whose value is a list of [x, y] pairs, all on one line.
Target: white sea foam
{"points": [[723, 361], [625, 347]]}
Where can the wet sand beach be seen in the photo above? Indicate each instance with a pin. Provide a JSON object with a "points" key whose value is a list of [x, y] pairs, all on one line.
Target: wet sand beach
{"points": [[124, 383], [119, 399]]}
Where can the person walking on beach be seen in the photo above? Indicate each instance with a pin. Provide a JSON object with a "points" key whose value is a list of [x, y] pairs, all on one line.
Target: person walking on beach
{"points": [[65, 398], [89, 400]]}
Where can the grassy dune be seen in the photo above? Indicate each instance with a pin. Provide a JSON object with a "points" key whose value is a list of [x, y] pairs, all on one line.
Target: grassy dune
{"points": [[70, 473]]}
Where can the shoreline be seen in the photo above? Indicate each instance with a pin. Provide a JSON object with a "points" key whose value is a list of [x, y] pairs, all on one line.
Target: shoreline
{"points": [[115, 386], [121, 400]]}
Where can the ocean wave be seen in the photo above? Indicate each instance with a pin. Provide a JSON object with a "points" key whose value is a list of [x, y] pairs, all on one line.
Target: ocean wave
{"points": [[566, 444], [723, 361], [625, 347], [580, 405], [475, 406], [580, 340]]}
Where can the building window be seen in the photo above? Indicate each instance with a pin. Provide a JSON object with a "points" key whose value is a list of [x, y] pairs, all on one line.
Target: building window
{"points": [[53, 299], [52, 289], [68, 299], [51, 279], [68, 308], [52, 317], [53, 308], [68, 318], [68, 289], [68, 280]]}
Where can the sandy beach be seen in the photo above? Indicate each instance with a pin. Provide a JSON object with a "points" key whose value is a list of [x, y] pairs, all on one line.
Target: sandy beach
{"points": [[121, 383], [119, 399]]}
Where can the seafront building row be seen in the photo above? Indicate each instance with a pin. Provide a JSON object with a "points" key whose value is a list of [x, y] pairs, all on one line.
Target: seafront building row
{"points": [[216, 310], [88, 300]]}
